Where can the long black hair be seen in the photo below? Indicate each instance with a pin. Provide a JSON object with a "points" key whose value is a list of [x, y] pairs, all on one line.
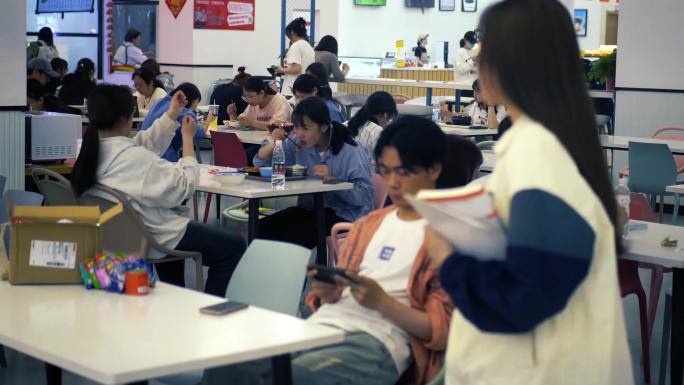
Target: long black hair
{"points": [[548, 84], [148, 76], [315, 109], [379, 102], [306, 84], [191, 92], [108, 106], [45, 34], [256, 84], [153, 65], [297, 27], [327, 43], [318, 70], [84, 69]]}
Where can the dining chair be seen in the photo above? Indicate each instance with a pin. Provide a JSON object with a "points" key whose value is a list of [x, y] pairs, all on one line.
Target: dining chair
{"points": [[126, 233], [666, 133], [55, 188], [270, 275], [228, 152], [652, 169]]}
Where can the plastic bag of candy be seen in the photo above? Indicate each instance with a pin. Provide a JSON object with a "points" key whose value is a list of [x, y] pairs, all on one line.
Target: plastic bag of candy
{"points": [[109, 272]]}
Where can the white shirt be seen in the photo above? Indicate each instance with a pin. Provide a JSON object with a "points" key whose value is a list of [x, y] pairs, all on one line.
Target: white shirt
{"points": [[47, 52], [368, 137], [465, 68], [146, 104], [129, 54], [156, 187], [479, 116], [300, 53], [388, 260]]}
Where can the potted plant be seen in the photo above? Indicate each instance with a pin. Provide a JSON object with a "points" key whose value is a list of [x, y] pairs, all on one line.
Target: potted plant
{"points": [[603, 70]]}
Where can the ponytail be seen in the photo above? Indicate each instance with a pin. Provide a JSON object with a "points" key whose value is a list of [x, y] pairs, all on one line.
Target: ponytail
{"points": [[108, 107], [339, 135], [297, 27], [85, 170], [379, 102]]}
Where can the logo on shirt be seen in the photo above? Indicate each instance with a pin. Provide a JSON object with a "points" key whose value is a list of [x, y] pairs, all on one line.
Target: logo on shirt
{"points": [[386, 253]]}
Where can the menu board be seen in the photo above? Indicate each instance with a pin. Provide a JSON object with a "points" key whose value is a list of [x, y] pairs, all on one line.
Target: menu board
{"points": [[59, 6], [224, 14]]}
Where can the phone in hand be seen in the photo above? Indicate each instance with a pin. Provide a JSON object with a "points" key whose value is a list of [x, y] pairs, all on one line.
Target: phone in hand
{"points": [[327, 274], [223, 308]]}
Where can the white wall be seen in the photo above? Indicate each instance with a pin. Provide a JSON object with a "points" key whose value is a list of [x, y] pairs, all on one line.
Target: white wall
{"points": [[372, 31]]}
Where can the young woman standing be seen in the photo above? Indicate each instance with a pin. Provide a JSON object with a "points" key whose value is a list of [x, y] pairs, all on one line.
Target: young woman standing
{"points": [[298, 57], [548, 311]]}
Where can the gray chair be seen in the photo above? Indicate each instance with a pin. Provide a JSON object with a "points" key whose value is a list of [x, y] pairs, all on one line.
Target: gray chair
{"points": [[486, 145], [414, 110], [55, 188], [126, 233], [270, 275]]}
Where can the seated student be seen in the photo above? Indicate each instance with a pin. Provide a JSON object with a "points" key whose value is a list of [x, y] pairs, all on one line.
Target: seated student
{"points": [[164, 77], [77, 86], [480, 112], [38, 99], [265, 105], [193, 99], [227, 94], [155, 187], [60, 66], [328, 151], [148, 90], [41, 70], [306, 86], [321, 74], [396, 318], [366, 125], [464, 153]]}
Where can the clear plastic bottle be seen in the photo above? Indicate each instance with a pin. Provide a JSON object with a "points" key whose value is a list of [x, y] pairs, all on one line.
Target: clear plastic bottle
{"points": [[622, 196], [278, 166], [436, 112]]}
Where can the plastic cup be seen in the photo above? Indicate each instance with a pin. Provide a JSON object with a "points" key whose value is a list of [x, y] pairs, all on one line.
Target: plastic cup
{"points": [[213, 108]]}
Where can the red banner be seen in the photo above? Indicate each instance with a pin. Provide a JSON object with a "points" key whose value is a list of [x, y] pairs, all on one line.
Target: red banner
{"points": [[224, 14]]}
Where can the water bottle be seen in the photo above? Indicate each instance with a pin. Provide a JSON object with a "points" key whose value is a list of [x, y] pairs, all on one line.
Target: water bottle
{"points": [[436, 113], [622, 196], [278, 166]]}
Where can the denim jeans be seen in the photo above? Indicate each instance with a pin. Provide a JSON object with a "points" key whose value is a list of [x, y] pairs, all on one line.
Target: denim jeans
{"points": [[360, 359], [221, 252]]}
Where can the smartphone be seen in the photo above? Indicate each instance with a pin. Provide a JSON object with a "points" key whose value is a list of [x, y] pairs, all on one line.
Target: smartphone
{"points": [[223, 308], [327, 274]]}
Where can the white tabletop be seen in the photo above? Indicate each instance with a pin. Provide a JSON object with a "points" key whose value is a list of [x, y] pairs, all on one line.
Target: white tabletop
{"points": [[251, 189], [138, 119], [644, 245], [245, 136], [466, 130], [677, 188], [622, 143], [437, 84], [113, 339]]}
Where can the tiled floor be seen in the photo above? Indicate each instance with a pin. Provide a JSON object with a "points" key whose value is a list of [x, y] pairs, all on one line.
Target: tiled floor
{"points": [[24, 370]]}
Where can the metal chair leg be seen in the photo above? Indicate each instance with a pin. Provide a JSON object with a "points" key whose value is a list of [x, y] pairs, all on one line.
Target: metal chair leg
{"points": [[665, 341]]}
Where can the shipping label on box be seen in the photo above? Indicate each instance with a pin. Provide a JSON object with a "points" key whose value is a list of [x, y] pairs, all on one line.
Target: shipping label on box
{"points": [[55, 254]]}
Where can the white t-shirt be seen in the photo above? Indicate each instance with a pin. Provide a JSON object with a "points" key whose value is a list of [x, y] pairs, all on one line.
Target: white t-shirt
{"points": [[145, 104], [368, 137], [478, 116], [300, 53], [388, 260]]}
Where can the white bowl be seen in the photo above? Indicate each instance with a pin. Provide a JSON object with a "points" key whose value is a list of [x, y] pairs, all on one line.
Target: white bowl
{"points": [[230, 178]]}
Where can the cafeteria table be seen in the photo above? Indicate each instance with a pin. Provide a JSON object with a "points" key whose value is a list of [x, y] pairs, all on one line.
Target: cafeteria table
{"points": [[247, 136]]}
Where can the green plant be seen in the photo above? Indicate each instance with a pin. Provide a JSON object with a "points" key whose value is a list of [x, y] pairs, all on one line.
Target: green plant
{"points": [[603, 68]]}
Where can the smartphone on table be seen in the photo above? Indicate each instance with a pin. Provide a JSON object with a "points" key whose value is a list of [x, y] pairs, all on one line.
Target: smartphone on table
{"points": [[327, 274], [223, 308]]}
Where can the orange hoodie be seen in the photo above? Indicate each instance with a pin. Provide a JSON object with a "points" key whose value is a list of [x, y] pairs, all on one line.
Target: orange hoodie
{"points": [[424, 291]]}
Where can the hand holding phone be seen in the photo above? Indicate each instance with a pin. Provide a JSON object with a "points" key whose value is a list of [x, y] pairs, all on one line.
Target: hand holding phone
{"points": [[223, 308], [327, 274]]}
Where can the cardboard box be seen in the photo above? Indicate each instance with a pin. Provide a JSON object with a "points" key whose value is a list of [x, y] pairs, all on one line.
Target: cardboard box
{"points": [[48, 242]]}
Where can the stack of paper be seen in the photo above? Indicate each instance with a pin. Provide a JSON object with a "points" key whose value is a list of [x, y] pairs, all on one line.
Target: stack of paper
{"points": [[466, 217]]}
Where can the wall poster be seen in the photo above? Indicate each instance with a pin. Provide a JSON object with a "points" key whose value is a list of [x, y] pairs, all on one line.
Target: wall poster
{"points": [[224, 14]]}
